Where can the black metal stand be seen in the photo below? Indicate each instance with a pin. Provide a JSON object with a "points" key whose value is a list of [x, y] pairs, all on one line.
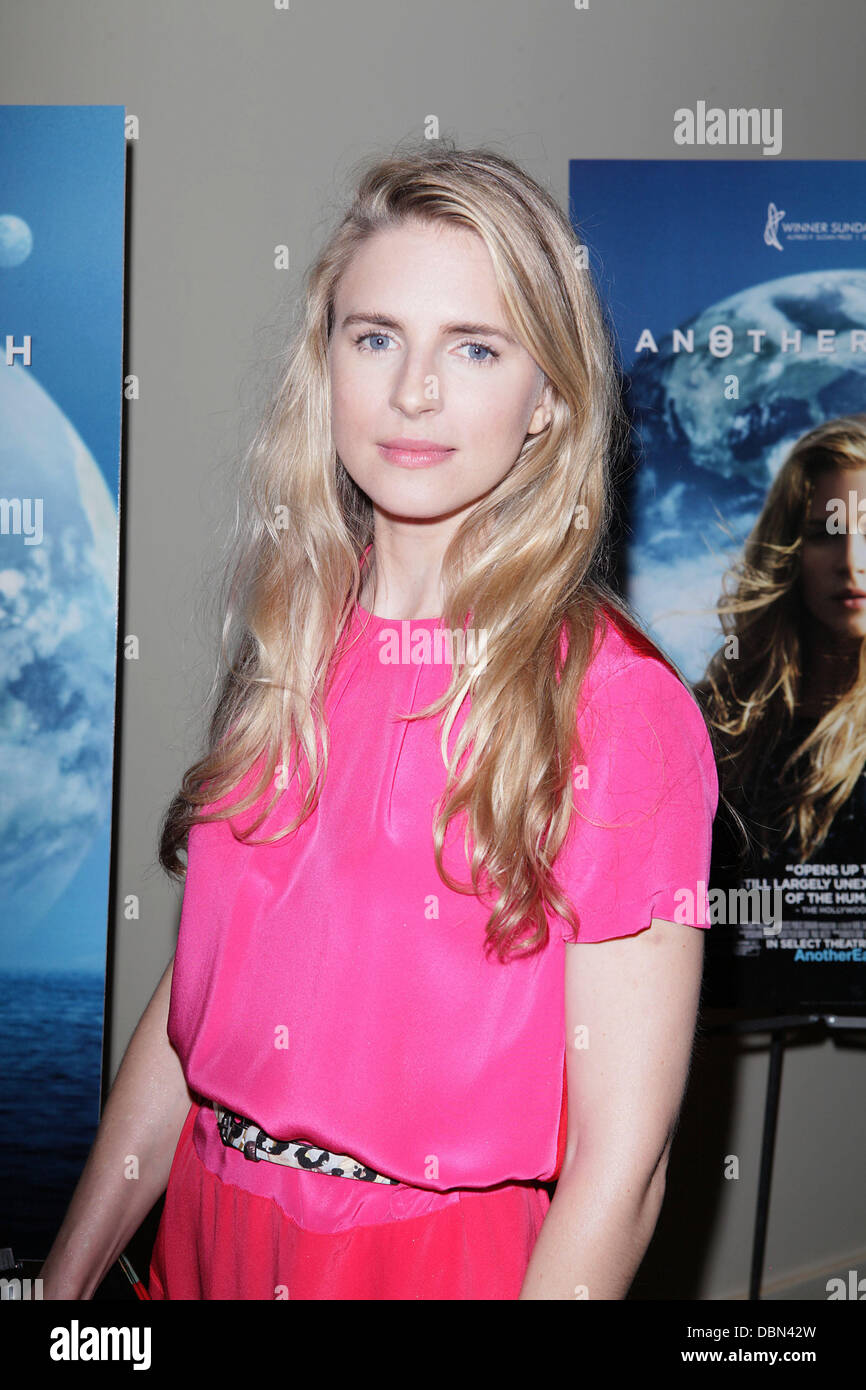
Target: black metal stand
{"points": [[778, 1026]]}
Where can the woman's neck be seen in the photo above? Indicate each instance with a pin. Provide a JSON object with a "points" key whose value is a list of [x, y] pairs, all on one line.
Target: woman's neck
{"points": [[829, 667]]}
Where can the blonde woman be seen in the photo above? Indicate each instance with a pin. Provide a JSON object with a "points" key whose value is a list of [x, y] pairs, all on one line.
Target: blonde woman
{"points": [[786, 696], [791, 673], [434, 953]]}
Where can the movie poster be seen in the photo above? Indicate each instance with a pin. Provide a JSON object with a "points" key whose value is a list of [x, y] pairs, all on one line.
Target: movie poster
{"points": [[62, 174], [736, 291]]}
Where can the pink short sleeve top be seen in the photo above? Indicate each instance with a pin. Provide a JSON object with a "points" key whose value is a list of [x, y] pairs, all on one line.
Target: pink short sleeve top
{"points": [[333, 989]]}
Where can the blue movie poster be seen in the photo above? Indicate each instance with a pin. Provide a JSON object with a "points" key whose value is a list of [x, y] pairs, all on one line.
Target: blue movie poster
{"points": [[62, 172], [736, 291]]}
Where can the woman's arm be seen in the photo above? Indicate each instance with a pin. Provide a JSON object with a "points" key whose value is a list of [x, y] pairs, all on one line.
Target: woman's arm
{"points": [[630, 1010], [143, 1117]]}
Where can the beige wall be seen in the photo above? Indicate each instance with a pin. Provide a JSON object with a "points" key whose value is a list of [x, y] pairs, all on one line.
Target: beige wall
{"points": [[250, 119]]}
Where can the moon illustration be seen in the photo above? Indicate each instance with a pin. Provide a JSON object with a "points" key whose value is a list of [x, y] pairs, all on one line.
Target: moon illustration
{"points": [[16, 241]]}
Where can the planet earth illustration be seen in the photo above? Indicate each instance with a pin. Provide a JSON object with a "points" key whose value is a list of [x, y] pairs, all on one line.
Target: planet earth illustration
{"points": [[57, 650], [707, 461]]}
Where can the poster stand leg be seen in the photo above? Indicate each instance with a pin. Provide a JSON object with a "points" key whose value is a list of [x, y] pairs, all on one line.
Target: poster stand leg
{"points": [[778, 1027], [768, 1144]]}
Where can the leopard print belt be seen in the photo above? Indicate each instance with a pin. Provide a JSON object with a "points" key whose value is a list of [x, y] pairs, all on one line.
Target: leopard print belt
{"points": [[239, 1132]]}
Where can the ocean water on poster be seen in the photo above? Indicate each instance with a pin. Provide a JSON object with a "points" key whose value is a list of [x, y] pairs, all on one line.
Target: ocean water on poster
{"points": [[51, 1026]]}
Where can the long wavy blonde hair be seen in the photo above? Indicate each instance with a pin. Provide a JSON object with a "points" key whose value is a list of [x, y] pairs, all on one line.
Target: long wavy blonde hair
{"points": [[530, 560], [751, 702]]}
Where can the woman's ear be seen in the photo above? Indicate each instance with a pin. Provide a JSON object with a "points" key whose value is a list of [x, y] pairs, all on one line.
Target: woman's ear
{"points": [[543, 412]]}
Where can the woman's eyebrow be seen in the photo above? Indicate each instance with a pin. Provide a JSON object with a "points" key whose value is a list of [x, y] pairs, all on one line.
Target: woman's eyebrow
{"points": [[385, 321]]}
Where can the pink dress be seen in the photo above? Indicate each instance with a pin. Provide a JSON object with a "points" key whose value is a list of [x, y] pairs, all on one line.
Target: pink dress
{"points": [[333, 989]]}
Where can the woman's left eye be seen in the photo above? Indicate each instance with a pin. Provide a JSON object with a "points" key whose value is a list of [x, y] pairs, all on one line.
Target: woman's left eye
{"points": [[481, 361]]}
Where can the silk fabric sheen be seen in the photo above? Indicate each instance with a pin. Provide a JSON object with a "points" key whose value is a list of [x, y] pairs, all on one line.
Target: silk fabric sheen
{"points": [[333, 989]]}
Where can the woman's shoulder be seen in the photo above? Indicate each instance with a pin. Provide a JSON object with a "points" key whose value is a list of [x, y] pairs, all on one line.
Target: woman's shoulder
{"points": [[635, 700], [622, 649]]}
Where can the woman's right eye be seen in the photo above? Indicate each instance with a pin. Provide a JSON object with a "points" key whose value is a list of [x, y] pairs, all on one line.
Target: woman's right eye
{"points": [[361, 338]]}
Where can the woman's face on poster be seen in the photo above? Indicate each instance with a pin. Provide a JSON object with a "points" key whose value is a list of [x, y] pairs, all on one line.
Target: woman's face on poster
{"points": [[833, 571], [404, 369]]}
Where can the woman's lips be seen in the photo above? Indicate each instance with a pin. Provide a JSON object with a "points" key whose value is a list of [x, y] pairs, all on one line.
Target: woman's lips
{"points": [[416, 457]]}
